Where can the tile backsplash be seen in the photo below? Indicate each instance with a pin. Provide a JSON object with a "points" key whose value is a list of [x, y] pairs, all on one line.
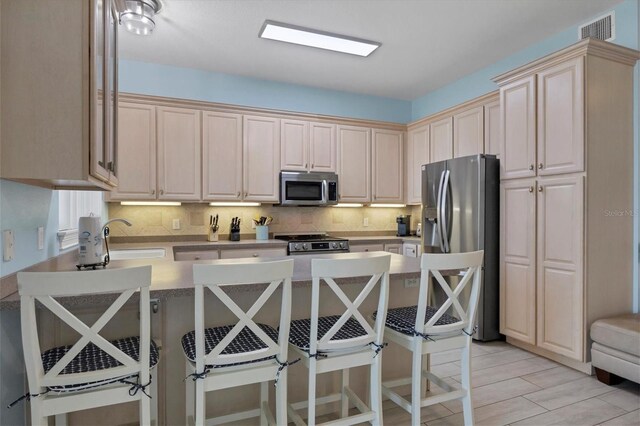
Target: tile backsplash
{"points": [[194, 219]]}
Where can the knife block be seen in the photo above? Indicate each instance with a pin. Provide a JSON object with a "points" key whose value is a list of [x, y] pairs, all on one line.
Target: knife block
{"points": [[234, 235], [213, 235]]}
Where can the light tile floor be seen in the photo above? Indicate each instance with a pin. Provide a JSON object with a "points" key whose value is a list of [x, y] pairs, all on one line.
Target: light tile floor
{"points": [[512, 386]]}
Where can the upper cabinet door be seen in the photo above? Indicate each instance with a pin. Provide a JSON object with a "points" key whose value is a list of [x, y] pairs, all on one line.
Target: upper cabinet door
{"points": [[468, 133], [417, 155], [441, 140], [179, 154], [137, 153], [111, 63], [261, 158], [354, 164], [221, 156], [99, 102], [322, 147], [561, 118], [387, 154], [294, 145], [518, 260], [560, 265], [492, 128], [518, 128]]}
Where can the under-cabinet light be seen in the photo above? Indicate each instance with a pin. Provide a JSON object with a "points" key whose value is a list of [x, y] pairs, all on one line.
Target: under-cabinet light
{"points": [[150, 203], [388, 205], [315, 38], [233, 204], [348, 205]]}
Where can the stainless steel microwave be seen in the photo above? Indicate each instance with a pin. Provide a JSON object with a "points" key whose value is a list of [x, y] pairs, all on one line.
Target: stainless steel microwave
{"points": [[308, 189]]}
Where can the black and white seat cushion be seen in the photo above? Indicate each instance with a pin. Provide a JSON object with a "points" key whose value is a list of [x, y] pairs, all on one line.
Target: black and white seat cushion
{"points": [[300, 332], [403, 319], [92, 358], [245, 341]]}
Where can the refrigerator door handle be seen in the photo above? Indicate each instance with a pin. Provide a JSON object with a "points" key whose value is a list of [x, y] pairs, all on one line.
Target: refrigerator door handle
{"points": [[439, 216], [443, 213]]}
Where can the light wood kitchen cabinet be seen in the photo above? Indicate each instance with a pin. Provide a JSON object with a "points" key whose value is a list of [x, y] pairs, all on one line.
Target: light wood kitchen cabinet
{"points": [[560, 260], [294, 145], [492, 128], [561, 118], [354, 164], [137, 152], [242, 253], [196, 255], [261, 158], [583, 188], [179, 146], [411, 249], [441, 140], [221, 156], [417, 155], [359, 248], [393, 248], [468, 132], [518, 259], [59, 120], [322, 147], [387, 166]]}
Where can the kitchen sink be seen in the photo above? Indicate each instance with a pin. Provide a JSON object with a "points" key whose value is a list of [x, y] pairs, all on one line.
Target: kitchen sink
{"points": [[143, 253]]}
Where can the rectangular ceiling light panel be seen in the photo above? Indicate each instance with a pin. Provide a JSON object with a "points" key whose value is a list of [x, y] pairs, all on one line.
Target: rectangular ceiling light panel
{"points": [[314, 38]]}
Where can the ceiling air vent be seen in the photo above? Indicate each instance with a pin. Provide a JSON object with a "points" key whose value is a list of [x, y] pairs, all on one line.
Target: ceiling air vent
{"points": [[602, 28]]}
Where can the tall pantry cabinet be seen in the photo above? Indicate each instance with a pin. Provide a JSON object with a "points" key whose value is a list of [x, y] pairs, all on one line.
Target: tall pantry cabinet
{"points": [[566, 193]]}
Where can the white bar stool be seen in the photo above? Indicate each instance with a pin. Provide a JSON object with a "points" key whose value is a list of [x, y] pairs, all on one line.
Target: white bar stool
{"points": [[93, 372], [424, 329], [243, 353], [344, 341]]}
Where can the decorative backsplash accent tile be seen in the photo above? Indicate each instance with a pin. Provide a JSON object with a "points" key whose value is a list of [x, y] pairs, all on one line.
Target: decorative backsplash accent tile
{"points": [[194, 219]]}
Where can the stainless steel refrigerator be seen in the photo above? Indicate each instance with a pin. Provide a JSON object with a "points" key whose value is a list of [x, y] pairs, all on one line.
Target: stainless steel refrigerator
{"points": [[460, 213]]}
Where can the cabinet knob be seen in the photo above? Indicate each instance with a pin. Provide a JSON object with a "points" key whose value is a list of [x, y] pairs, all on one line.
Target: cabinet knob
{"points": [[161, 191], [540, 189], [305, 165], [312, 165], [197, 257], [246, 193], [531, 189], [153, 192], [540, 166], [531, 167], [255, 254], [238, 194], [366, 249]]}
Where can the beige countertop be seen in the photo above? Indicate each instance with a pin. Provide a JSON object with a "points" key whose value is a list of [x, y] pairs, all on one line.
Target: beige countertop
{"points": [[174, 278]]}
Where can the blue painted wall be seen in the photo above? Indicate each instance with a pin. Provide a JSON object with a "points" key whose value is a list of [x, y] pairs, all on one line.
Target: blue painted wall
{"points": [[171, 81], [23, 208]]}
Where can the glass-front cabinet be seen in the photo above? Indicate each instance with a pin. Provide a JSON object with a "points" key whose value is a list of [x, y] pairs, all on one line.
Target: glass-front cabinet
{"points": [[104, 91]]}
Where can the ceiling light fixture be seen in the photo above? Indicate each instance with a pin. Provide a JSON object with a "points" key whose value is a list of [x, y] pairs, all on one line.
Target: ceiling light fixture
{"points": [[314, 38], [150, 203], [138, 16]]}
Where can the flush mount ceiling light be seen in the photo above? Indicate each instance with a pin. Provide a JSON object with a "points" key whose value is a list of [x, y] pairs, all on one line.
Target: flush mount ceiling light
{"points": [[315, 38], [138, 16]]}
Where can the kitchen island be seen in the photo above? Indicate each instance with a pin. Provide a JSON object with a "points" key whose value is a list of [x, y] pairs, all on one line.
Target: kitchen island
{"points": [[172, 291]]}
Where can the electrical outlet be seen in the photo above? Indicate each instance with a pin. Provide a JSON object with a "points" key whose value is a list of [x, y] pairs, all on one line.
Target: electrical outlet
{"points": [[176, 224], [7, 240], [40, 237], [411, 282], [365, 221]]}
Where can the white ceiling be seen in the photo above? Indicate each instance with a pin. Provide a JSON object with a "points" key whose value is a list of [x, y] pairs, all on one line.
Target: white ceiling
{"points": [[426, 44]]}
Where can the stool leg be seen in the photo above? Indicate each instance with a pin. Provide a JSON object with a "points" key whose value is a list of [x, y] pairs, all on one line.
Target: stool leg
{"points": [[189, 397], [344, 410], [145, 410], [416, 383], [37, 419], [467, 405], [154, 401], [264, 398], [201, 410], [61, 419], [376, 389], [281, 398], [311, 420]]}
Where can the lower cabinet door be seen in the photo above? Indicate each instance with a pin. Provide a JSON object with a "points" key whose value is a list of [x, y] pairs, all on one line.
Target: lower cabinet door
{"points": [[359, 248], [560, 261], [242, 253], [518, 260]]}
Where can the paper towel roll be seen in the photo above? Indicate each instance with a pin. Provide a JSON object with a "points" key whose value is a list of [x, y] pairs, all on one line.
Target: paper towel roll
{"points": [[90, 241]]}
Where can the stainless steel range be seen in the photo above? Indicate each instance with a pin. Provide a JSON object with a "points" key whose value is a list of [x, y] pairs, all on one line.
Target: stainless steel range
{"points": [[314, 243]]}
